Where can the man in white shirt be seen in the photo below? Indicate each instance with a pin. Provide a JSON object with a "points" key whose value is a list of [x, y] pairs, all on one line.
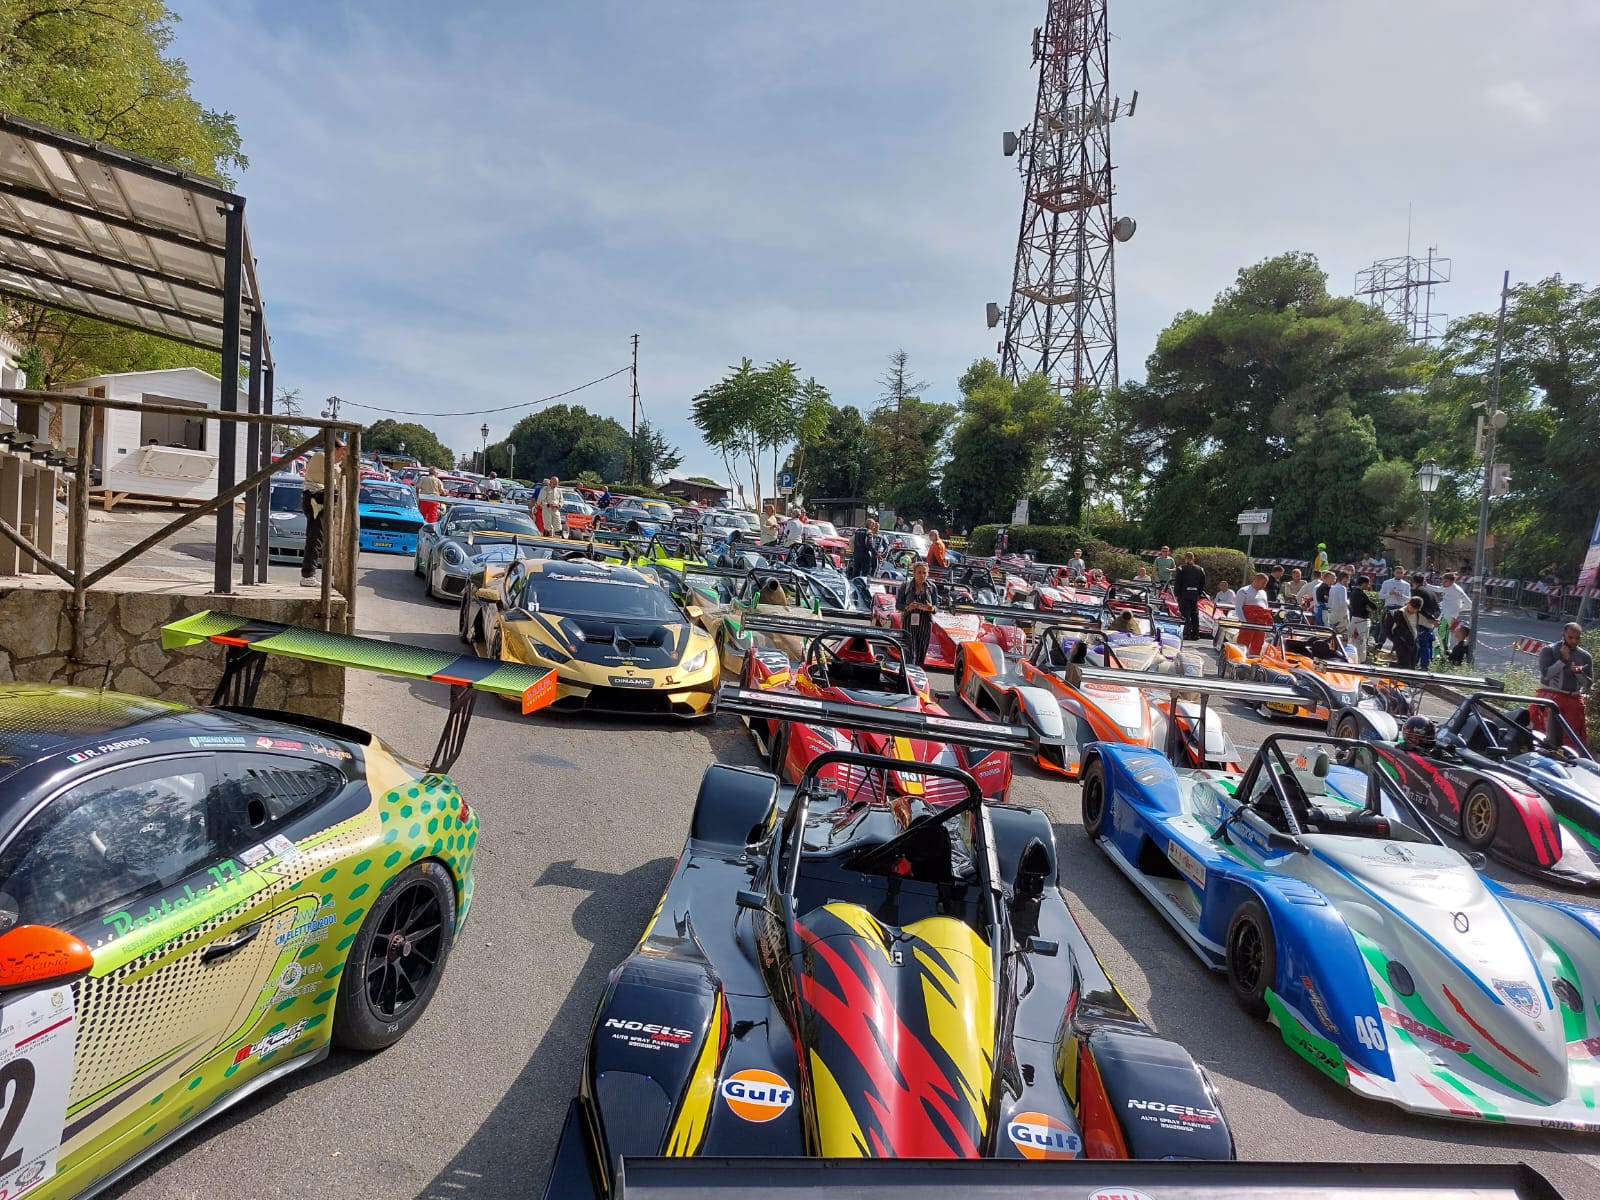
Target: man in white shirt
{"points": [[1337, 609], [1251, 595], [1453, 601], [1394, 593], [1225, 597], [795, 531]]}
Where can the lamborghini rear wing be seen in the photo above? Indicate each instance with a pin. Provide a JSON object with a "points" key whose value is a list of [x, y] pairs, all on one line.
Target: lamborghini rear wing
{"points": [[869, 718], [1017, 1179], [250, 641], [808, 628]]}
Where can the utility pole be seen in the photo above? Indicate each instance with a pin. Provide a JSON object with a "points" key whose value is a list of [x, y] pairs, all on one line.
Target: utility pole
{"points": [[1480, 566], [633, 429]]}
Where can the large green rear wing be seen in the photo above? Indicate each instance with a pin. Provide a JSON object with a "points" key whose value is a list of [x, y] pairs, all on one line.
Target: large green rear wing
{"points": [[250, 641]]}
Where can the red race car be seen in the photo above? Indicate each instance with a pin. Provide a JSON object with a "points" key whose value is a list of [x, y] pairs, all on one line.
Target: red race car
{"points": [[865, 670], [950, 629]]}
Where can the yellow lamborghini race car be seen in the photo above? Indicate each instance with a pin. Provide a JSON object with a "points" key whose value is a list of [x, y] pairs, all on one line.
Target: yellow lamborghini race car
{"points": [[615, 638]]}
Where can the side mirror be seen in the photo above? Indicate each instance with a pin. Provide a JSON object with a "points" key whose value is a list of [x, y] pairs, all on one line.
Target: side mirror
{"points": [[487, 593], [37, 956], [1043, 947], [751, 900]]}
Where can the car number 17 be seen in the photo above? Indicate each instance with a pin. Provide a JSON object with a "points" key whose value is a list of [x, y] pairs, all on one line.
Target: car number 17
{"points": [[1369, 1033]]}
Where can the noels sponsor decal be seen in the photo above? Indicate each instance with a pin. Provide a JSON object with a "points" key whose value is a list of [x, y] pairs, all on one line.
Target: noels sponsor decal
{"points": [[757, 1096], [645, 1035]]}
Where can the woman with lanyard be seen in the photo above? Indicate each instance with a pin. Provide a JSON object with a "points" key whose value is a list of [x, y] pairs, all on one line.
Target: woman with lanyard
{"points": [[916, 601]]}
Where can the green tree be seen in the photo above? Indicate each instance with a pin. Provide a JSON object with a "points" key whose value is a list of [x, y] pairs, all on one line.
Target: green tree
{"points": [[103, 69], [567, 440], [907, 434], [839, 460], [753, 411], [404, 437], [999, 443], [1550, 395], [653, 455], [1275, 396]]}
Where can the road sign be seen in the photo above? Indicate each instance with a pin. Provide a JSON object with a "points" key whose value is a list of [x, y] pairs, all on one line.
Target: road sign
{"points": [[786, 483], [1255, 522]]}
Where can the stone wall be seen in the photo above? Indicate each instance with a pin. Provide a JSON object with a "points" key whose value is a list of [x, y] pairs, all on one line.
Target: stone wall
{"points": [[122, 644]]}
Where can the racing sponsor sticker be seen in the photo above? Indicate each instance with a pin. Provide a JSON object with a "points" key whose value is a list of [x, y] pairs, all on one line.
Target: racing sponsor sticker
{"points": [[273, 1041], [1522, 996], [1426, 1032], [757, 1096], [1039, 1135], [306, 929], [1191, 867], [1117, 1194], [646, 1035], [283, 847], [219, 739], [108, 748], [631, 681], [38, 1033], [1175, 1116]]}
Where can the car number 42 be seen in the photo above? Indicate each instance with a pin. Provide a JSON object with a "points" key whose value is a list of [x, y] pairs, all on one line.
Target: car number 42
{"points": [[35, 1071], [1369, 1033]]}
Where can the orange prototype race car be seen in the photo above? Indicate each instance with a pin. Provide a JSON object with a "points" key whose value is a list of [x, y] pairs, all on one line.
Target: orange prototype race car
{"points": [[1311, 659], [951, 630], [1068, 705], [863, 673]]}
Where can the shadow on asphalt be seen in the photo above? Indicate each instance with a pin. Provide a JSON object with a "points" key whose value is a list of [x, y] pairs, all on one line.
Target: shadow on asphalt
{"points": [[537, 1099]]}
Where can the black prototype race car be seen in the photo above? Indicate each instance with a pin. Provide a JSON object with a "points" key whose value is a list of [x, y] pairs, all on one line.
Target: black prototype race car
{"points": [[839, 978], [1485, 775]]}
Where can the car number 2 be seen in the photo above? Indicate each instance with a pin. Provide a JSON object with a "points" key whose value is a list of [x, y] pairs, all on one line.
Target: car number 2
{"points": [[1369, 1033], [35, 1072]]}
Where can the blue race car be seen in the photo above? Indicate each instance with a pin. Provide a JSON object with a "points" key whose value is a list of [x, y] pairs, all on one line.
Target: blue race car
{"points": [[390, 518], [1382, 956]]}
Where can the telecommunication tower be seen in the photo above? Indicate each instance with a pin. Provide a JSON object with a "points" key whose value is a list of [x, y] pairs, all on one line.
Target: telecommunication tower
{"points": [[1061, 319], [1402, 289]]}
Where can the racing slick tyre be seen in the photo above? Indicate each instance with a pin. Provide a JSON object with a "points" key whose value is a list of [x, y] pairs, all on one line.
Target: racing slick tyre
{"points": [[1346, 727], [1480, 816], [778, 750], [1252, 957], [427, 582], [416, 565], [1093, 792], [397, 959], [461, 621]]}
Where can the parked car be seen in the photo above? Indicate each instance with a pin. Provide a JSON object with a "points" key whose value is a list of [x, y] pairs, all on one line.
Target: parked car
{"points": [[389, 518], [286, 522]]}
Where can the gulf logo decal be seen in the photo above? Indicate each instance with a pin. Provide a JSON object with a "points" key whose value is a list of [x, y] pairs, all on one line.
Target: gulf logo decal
{"points": [[1040, 1136], [758, 1096]]}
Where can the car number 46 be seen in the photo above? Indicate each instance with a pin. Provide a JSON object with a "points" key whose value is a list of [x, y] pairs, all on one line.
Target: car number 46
{"points": [[1369, 1033]]}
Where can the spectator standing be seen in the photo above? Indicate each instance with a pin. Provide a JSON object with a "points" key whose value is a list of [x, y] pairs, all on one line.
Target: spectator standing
{"points": [[547, 509], [1550, 579], [916, 528], [1427, 621], [1319, 560], [1224, 599], [492, 488], [1275, 585], [1566, 672], [1321, 586], [1252, 607], [1294, 589], [428, 490], [1190, 583], [1336, 607], [1165, 565], [915, 601], [937, 555], [771, 527], [315, 507], [1075, 565], [864, 551], [794, 531], [1453, 604], [1400, 631], [1393, 594], [1361, 609]]}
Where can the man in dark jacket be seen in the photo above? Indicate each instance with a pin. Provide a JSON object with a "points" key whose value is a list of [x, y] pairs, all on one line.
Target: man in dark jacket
{"points": [[864, 551], [1190, 583]]}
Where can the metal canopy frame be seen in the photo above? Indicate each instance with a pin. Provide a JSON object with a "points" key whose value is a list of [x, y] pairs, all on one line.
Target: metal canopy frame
{"points": [[97, 231]]}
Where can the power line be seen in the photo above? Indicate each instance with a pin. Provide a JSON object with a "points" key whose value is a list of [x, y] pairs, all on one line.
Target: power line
{"points": [[484, 412]]}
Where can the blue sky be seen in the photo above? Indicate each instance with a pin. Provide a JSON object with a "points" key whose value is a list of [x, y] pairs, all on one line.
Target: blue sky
{"points": [[461, 206]]}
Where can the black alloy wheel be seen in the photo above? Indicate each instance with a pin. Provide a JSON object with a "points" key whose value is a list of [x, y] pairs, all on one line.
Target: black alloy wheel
{"points": [[1252, 957], [397, 959], [1349, 728], [1093, 792]]}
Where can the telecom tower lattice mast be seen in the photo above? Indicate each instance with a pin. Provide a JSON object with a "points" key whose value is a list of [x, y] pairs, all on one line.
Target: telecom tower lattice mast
{"points": [[1062, 316]]}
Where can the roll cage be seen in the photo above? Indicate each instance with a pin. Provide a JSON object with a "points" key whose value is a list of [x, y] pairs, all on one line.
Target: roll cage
{"points": [[1480, 728]]}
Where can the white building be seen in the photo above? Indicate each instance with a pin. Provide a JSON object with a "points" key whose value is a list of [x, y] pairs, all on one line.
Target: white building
{"points": [[10, 377], [155, 455]]}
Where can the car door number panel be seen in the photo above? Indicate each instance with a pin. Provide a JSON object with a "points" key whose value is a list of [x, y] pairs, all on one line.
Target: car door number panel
{"points": [[38, 1032]]}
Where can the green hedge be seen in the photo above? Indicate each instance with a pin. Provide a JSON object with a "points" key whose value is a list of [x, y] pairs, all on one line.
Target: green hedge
{"points": [[1055, 544]]}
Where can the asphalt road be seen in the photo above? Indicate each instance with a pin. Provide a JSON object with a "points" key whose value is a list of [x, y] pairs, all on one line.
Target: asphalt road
{"points": [[581, 823]]}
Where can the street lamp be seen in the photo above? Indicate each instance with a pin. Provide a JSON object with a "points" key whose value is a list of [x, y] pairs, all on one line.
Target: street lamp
{"points": [[511, 460], [483, 463], [330, 408], [1427, 482]]}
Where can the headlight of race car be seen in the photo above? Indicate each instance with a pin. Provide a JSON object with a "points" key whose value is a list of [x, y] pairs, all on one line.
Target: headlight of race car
{"points": [[691, 665], [453, 557]]}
